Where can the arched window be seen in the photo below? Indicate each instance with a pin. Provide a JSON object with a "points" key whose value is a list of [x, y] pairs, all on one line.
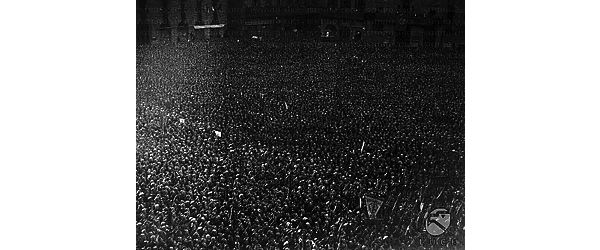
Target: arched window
{"points": [[330, 30], [331, 4], [432, 12], [346, 4], [359, 4]]}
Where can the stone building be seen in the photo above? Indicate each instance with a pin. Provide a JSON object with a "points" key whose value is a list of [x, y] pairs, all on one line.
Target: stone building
{"points": [[173, 21], [414, 23], [404, 22]]}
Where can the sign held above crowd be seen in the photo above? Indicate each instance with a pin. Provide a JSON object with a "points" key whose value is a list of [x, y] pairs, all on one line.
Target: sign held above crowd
{"points": [[209, 26]]}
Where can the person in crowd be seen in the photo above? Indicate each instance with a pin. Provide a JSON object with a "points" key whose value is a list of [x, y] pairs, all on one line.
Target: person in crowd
{"points": [[305, 130]]}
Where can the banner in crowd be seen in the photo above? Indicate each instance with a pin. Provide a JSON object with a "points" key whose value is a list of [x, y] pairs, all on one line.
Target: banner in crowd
{"points": [[373, 206], [209, 26]]}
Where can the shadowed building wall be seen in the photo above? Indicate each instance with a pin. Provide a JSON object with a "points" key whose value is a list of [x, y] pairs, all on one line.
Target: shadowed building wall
{"points": [[404, 22], [172, 20]]}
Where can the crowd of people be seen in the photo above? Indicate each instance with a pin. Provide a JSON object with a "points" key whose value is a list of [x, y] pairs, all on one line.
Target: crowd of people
{"points": [[265, 145]]}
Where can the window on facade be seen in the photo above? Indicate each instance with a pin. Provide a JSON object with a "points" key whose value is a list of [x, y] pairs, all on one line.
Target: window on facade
{"points": [[331, 3], [432, 13], [359, 5], [346, 3]]}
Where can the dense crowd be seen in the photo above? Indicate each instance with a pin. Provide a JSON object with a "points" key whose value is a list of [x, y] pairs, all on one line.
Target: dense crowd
{"points": [[246, 145]]}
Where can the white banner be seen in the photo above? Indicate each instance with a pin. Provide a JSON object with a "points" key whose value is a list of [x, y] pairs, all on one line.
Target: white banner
{"points": [[209, 26]]}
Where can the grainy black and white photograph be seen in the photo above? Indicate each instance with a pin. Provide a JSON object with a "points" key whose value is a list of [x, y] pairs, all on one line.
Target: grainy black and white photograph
{"points": [[334, 124]]}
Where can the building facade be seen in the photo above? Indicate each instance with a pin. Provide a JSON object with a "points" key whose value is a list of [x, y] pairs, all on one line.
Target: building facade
{"points": [[173, 21], [415, 23], [410, 23]]}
